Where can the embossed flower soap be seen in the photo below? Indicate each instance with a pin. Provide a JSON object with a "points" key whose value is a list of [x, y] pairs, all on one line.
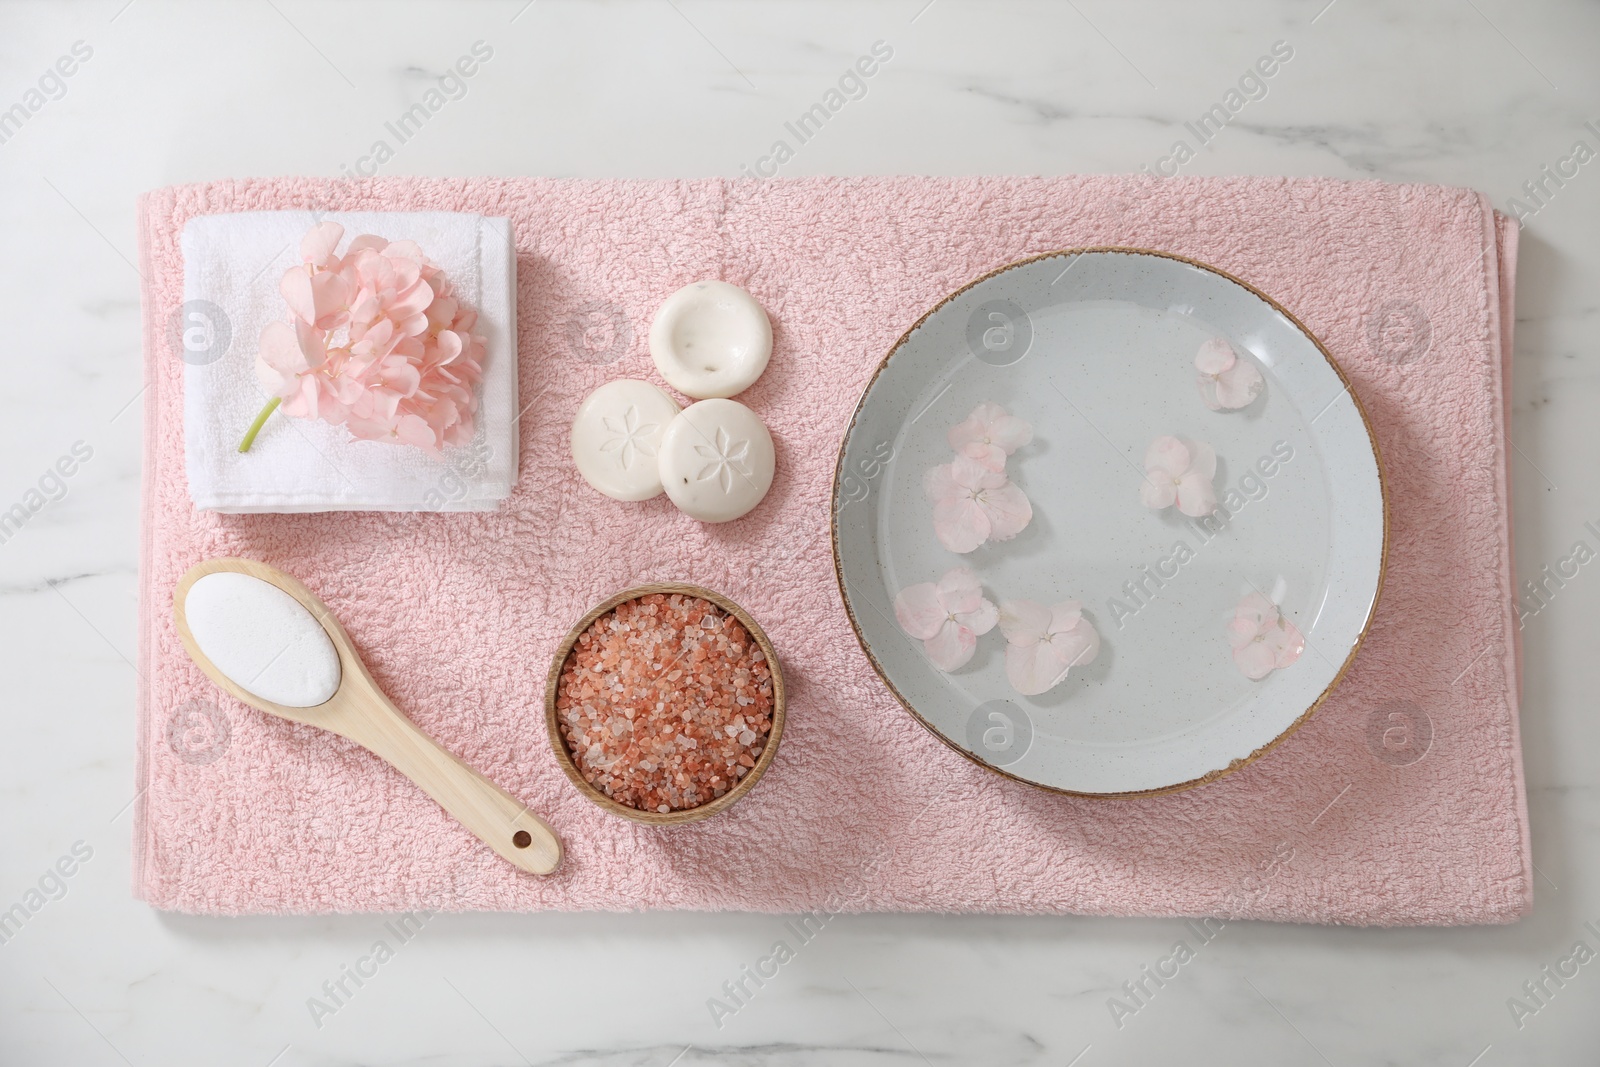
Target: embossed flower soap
{"points": [[616, 438], [717, 460], [714, 459]]}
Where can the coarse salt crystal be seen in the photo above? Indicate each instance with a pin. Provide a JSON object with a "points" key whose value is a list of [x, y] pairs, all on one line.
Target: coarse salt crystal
{"points": [[705, 719]]}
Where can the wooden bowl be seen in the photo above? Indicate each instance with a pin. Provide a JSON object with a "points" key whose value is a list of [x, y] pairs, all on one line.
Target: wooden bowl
{"points": [[569, 766]]}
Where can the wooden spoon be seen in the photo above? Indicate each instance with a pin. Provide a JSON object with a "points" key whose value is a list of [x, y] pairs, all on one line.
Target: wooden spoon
{"points": [[360, 711]]}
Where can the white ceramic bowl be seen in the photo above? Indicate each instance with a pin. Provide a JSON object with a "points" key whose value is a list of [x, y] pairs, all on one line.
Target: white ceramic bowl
{"points": [[1095, 348]]}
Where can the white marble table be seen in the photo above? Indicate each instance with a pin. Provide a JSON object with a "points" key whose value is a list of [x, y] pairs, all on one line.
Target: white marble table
{"points": [[1480, 93]]}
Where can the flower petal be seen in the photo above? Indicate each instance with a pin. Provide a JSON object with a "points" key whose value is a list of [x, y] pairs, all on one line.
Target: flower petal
{"points": [[1238, 386], [1262, 638], [970, 474], [1033, 669], [316, 247], [981, 619], [1166, 455], [1215, 356], [1203, 458], [329, 297], [939, 483], [1010, 432], [959, 590], [975, 427], [280, 348], [1024, 622], [446, 348], [279, 361], [1254, 660], [1008, 510], [406, 370], [442, 312], [990, 424], [951, 647], [1289, 643], [1065, 616], [460, 433], [918, 610], [1241, 631], [407, 252], [400, 376], [414, 430], [1157, 492], [1075, 647], [295, 288], [413, 301], [1197, 497], [960, 524], [313, 343], [989, 457], [1257, 610], [972, 430]]}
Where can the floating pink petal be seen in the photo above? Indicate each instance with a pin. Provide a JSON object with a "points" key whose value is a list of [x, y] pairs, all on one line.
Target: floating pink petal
{"points": [[1181, 473], [989, 435], [919, 612], [951, 648], [1263, 640], [1226, 381], [972, 505], [1043, 644], [1008, 509], [1215, 356], [946, 616]]}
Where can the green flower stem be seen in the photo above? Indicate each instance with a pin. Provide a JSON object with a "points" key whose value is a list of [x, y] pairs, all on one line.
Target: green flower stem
{"points": [[255, 427]]}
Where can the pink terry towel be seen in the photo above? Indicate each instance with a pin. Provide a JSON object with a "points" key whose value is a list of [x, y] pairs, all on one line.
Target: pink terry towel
{"points": [[1400, 801]]}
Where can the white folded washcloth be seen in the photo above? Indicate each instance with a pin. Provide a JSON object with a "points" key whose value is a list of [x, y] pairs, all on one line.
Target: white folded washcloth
{"points": [[232, 267]]}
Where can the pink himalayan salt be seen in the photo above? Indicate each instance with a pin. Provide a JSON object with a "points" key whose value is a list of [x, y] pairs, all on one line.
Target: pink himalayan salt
{"points": [[665, 702]]}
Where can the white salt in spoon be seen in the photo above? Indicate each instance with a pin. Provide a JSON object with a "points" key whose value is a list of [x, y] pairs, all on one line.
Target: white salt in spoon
{"points": [[269, 642]]}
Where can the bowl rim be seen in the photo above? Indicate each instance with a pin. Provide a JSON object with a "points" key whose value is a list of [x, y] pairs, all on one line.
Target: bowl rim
{"points": [[564, 756], [1238, 762]]}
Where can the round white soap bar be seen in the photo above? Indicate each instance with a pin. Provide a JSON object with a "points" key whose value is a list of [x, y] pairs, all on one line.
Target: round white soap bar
{"points": [[263, 639], [711, 339], [616, 438], [716, 460]]}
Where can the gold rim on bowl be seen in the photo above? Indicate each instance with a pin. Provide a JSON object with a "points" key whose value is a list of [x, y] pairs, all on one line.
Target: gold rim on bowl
{"points": [[1209, 776]]}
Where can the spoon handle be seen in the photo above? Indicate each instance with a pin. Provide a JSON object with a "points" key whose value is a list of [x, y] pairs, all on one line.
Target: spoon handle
{"points": [[360, 711], [503, 823]]}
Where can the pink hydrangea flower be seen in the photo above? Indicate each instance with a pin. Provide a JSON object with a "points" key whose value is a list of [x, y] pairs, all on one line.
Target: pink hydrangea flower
{"points": [[378, 342], [1043, 644], [1226, 382], [989, 435], [1262, 639], [946, 617], [972, 504], [1178, 472]]}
